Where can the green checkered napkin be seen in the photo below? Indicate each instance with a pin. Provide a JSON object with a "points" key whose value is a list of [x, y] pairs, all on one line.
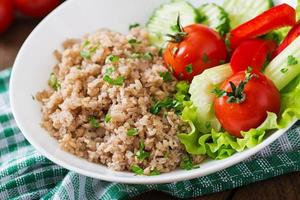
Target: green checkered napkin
{"points": [[25, 174]]}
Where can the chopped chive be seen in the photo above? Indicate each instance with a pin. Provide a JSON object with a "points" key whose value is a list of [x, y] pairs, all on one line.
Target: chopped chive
{"points": [[148, 56], [166, 76], [112, 58], [94, 122], [160, 52], [205, 58], [142, 154], [284, 70], [107, 118], [94, 49], [53, 82], [86, 43], [134, 41], [118, 81], [132, 132], [109, 71], [85, 54], [137, 170], [187, 163], [154, 172], [189, 68], [292, 60], [131, 26]]}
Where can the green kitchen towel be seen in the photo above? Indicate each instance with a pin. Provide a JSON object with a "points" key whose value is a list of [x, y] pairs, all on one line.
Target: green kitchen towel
{"points": [[25, 174]]}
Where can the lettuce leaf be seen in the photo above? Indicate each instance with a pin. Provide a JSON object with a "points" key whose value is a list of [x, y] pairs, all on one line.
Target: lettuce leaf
{"points": [[220, 144]]}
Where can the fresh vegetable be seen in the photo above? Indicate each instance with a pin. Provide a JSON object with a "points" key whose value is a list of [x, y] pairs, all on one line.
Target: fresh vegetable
{"points": [[277, 35], [141, 154], [292, 35], [94, 122], [283, 68], [117, 81], [6, 14], [202, 97], [132, 132], [107, 118], [193, 49], [137, 170], [215, 17], [254, 53], [163, 20], [241, 11], [53, 82], [36, 8], [246, 99], [274, 18]]}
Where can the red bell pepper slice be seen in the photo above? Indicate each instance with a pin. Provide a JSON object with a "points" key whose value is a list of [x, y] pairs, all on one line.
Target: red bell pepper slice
{"points": [[254, 53], [276, 17], [291, 36]]}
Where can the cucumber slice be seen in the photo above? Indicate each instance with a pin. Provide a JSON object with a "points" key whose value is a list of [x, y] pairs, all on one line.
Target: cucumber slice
{"points": [[215, 17], [164, 18], [281, 70], [240, 11], [202, 97]]}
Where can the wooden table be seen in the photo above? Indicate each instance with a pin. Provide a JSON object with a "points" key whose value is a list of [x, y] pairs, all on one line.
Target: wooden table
{"points": [[285, 187]]}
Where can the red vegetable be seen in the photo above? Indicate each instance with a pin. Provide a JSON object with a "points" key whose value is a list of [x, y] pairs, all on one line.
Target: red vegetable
{"points": [[248, 107], [6, 14], [36, 8], [276, 17], [197, 49], [253, 52], [291, 36]]}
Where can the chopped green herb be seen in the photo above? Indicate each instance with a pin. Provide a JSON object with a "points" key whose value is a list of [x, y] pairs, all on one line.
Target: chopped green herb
{"points": [[86, 43], [85, 54], [142, 154], [94, 122], [154, 172], [284, 70], [94, 49], [218, 92], [109, 71], [137, 170], [167, 103], [187, 163], [160, 52], [53, 82], [107, 118], [134, 41], [174, 50], [112, 58], [148, 56], [166, 76], [189, 68], [132, 132], [205, 58], [292, 60], [131, 26], [118, 81]]}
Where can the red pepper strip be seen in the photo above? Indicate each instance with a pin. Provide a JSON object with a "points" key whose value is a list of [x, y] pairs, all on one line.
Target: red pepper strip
{"points": [[291, 36], [276, 17], [252, 53]]}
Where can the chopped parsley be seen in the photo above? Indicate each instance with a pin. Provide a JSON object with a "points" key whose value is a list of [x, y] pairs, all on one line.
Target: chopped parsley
{"points": [[218, 92], [205, 58], [147, 56], [154, 172], [142, 154], [134, 41], [166, 76], [109, 71], [117, 81], [85, 54], [187, 163], [131, 26], [189, 68], [94, 122], [137, 170], [86, 43], [167, 103], [284, 70], [160, 52], [107, 118], [292, 60], [53, 82], [132, 132], [112, 58]]}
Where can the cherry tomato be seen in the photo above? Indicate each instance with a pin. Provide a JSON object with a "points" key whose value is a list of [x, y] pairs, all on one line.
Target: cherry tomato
{"points": [[259, 96], [253, 52], [36, 8], [6, 14], [199, 49]]}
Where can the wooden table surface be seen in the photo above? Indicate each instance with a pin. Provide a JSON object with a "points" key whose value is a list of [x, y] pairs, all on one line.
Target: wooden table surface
{"points": [[285, 187]]}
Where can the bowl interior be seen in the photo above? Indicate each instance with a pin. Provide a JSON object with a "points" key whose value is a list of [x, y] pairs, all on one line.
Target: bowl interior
{"points": [[35, 62]]}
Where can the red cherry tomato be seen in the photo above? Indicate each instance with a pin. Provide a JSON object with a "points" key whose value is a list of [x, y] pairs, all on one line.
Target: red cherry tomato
{"points": [[200, 49], [261, 96], [36, 8], [6, 14], [253, 52]]}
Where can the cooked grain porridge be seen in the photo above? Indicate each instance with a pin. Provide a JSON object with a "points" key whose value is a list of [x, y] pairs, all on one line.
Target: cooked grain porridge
{"points": [[99, 104]]}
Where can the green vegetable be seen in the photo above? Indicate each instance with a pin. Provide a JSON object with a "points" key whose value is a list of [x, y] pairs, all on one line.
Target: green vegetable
{"points": [[118, 81], [131, 26], [109, 70], [107, 118], [147, 56], [298, 10], [189, 68], [290, 55], [142, 154], [137, 170], [87, 51], [134, 41], [167, 103], [53, 82], [112, 58], [166, 76], [85, 54], [132, 132], [187, 163], [154, 172], [94, 122]]}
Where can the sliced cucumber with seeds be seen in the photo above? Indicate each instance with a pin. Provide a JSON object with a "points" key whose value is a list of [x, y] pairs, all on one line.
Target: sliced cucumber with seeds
{"points": [[240, 11], [164, 20], [215, 17]]}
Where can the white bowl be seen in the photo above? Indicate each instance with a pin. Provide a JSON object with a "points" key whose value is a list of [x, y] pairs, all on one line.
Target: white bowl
{"points": [[35, 62]]}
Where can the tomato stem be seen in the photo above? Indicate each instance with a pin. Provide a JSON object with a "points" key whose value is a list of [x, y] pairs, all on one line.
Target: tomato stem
{"points": [[179, 35]]}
